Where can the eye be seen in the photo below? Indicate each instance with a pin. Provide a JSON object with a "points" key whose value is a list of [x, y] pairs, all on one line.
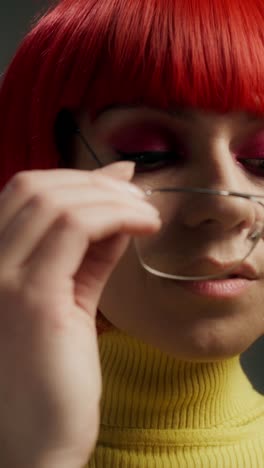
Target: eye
{"points": [[255, 165], [250, 153], [147, 161]]}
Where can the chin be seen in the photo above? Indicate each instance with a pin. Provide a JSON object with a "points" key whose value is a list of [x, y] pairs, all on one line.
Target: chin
{"points": [[200, 343]]}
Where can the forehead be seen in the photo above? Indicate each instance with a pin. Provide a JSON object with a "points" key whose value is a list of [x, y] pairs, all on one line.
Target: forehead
{"points": [[121, 115]]}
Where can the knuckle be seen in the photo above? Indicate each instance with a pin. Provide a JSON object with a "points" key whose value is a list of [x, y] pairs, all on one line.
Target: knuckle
{"points": [[23, 183], [70, 220], [43, 202]]}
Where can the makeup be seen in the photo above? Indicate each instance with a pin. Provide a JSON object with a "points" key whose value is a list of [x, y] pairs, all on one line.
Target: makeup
{"points": [[141, 137], [253, 148], [150, 145], [219, 288]]}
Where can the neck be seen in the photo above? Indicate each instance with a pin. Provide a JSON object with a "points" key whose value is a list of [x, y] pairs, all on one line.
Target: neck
{"points": [[146, 388]]}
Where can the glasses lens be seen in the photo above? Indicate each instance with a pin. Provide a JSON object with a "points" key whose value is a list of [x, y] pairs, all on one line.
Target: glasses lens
{"points": [[203, 235]]}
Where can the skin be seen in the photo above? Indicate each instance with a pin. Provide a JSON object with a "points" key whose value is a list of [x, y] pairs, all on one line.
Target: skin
{"points": [[156, 310]]}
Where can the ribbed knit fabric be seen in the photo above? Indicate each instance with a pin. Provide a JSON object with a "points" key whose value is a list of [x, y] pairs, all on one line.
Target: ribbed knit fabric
{"points": [[160, 412]]}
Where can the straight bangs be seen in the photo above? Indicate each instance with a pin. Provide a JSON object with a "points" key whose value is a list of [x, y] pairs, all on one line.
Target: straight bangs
{"points": [[170, 53], [95, 53]]}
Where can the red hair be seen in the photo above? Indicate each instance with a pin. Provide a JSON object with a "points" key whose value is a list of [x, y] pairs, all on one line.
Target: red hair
{"points": [[94, 53]]}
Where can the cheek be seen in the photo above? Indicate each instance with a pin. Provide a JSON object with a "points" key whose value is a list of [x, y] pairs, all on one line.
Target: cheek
{"points": [[124, 288]]}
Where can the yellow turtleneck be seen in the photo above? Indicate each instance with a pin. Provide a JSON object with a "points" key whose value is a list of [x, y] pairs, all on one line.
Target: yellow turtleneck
{"points": [[158, 412]]}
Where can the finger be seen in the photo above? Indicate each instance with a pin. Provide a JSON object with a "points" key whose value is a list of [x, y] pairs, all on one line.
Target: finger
{"points": [[62, 250], [26, 185], [119, 170], [51, 177], [27, 229], [96, 268]]}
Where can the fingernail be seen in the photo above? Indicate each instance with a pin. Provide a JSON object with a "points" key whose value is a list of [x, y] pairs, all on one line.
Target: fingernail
{"points": [[136, 191], [128, 167]]}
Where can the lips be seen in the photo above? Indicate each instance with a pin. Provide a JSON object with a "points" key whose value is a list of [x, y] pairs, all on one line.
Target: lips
{"points": [[245, 270], [211, 267], [218, 289]]}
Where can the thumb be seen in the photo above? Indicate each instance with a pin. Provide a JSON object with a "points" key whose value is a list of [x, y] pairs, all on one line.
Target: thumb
{"points": [[102, 257], [96, 268]]}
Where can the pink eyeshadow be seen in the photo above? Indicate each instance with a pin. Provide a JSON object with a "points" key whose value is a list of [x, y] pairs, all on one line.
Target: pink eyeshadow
{"points": [[140, 138], [252, 148]]}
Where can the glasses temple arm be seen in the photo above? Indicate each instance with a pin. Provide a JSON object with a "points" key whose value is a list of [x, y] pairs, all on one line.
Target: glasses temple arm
{"points": [[87, 146]]}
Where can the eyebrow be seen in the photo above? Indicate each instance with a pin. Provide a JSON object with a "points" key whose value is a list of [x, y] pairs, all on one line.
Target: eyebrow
{"points": [[179, 112]]}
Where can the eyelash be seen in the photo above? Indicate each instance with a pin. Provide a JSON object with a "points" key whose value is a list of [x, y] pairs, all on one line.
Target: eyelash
{"points": [[254, 168], [155, 160], [145, 160]]}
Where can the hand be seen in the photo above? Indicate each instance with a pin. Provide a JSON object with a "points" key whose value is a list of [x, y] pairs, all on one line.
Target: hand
{"points": [[62, 233]]}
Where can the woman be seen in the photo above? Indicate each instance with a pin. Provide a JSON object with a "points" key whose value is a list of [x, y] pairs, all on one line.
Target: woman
{"points": [[177, 87]]}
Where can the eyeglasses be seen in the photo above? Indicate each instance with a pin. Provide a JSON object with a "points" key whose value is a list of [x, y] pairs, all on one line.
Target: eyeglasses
{"points": [[205, 233]]}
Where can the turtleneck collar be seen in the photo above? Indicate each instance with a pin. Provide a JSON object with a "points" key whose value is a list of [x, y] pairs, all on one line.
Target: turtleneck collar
{"points": [[145, 388]]}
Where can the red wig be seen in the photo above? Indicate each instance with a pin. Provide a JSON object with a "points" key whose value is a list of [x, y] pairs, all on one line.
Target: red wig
{"points": [[199, 53]]}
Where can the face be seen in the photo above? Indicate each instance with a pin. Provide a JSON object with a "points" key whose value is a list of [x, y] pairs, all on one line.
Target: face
{"points": [[216, 151]]}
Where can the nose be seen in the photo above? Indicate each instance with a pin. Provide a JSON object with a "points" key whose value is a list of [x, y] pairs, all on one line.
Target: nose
{"points": [[219, 171], [219, 213]]}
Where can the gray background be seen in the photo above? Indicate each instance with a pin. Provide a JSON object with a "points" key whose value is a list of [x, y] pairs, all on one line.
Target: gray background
{"points": [[15, 19]]}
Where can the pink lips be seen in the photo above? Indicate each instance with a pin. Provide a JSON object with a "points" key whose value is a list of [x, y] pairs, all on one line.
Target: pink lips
{"points": [[243, 277], [219, 288]]}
